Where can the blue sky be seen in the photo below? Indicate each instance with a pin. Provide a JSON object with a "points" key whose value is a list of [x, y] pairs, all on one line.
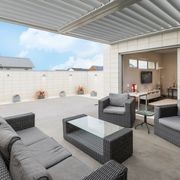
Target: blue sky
{"points": [[47, 50]]}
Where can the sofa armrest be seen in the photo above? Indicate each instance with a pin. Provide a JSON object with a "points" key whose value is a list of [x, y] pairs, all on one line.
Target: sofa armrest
{"points": [[111, 170], [22, 121], [166, 111]]}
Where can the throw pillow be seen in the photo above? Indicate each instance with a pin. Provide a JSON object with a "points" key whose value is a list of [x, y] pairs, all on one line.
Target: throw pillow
{"points": [[7, 137], [118, 99], [24, 166]]}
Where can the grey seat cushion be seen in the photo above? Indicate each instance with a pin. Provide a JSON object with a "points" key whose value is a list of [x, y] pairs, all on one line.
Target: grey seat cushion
{"points": [[48, 152], [31, 135], [171, 122], [118, 99], [4, 173], [69, 169], [7, 137], [114, 110], [23, 166]]}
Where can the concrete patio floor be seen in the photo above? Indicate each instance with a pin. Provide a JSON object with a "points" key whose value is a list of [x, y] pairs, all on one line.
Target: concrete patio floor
{"points": [[153, 157]]}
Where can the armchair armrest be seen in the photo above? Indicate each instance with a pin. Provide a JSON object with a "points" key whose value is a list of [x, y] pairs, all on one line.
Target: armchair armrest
{"points": [[130, 102], [130, 107], [109, 171], [104, 102], [22, 121]]}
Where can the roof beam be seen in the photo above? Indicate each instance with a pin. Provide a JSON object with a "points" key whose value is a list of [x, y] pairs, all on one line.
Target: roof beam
{"points": [[28, 24], [97, 14]]}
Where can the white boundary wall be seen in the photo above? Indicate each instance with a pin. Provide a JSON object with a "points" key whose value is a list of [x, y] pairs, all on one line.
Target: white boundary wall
{"points": [[27, 83]]}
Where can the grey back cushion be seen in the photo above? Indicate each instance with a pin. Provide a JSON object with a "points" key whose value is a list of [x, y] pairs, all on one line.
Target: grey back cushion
{"points": [[178, 103], [7, 137], [118, 99], [23, 166]]}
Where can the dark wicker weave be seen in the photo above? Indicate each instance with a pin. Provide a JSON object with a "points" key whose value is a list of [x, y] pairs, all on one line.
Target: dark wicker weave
{"points": [[4, 174], [109, 171], [20, 122], [169, 134], [125, 120], [117, 146]]}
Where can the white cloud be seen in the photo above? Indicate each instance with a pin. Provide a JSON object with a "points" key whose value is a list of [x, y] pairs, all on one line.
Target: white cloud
{"points": [[80, 62], [87, 49], [23, 53], [83, 53], [46, 41]]}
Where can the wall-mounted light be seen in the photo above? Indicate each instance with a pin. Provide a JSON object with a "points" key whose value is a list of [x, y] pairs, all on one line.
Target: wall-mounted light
{"points": [[70, 74], [8, 75], [44, 75], [95, 75]]}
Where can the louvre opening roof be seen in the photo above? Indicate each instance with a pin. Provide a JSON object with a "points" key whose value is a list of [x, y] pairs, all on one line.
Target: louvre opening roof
{"points": [[106, 21]]}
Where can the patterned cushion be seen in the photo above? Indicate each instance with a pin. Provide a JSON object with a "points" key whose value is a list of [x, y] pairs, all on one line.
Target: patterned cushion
{"points": [[7, 137], [4, 174]]}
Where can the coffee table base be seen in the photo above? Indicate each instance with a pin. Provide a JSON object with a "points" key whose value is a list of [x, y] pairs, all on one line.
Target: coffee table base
{"points": [[146, 123], [117, 146]]}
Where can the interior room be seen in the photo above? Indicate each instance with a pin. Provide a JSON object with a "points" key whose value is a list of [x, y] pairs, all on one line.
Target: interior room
{"points": [[153, 72]]}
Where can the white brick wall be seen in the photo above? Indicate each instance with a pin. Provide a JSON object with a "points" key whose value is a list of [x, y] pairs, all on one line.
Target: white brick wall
{"points": [[26, 83], [111, 68]]}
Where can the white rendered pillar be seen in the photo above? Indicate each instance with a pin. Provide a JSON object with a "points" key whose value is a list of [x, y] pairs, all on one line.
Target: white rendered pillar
{"points": [[120, 73], [178, 73], [178, 79]]}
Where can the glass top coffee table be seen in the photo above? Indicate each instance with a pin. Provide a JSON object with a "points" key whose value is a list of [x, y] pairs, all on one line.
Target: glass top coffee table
{"points": [[100, 139], [95, 126]]}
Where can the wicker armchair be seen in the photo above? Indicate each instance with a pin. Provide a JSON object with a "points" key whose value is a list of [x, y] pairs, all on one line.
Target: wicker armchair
{"points": [[167, 123], [125, 119]]}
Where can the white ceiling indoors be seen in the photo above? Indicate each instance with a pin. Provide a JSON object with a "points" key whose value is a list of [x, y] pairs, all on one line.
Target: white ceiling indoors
{"points": [[106, 21]]}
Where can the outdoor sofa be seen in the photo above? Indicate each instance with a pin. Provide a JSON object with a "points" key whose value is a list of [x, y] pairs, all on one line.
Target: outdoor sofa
{"points": [[167, 123], [29, 154], [118, 109]]}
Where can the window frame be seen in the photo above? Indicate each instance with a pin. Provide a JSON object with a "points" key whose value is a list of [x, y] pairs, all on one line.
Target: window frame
{"points": [[154, 65], [131, 59], [142, 60]]}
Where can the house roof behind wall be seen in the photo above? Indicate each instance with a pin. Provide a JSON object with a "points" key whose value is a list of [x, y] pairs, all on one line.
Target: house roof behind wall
{"points": [[13, 62]]}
